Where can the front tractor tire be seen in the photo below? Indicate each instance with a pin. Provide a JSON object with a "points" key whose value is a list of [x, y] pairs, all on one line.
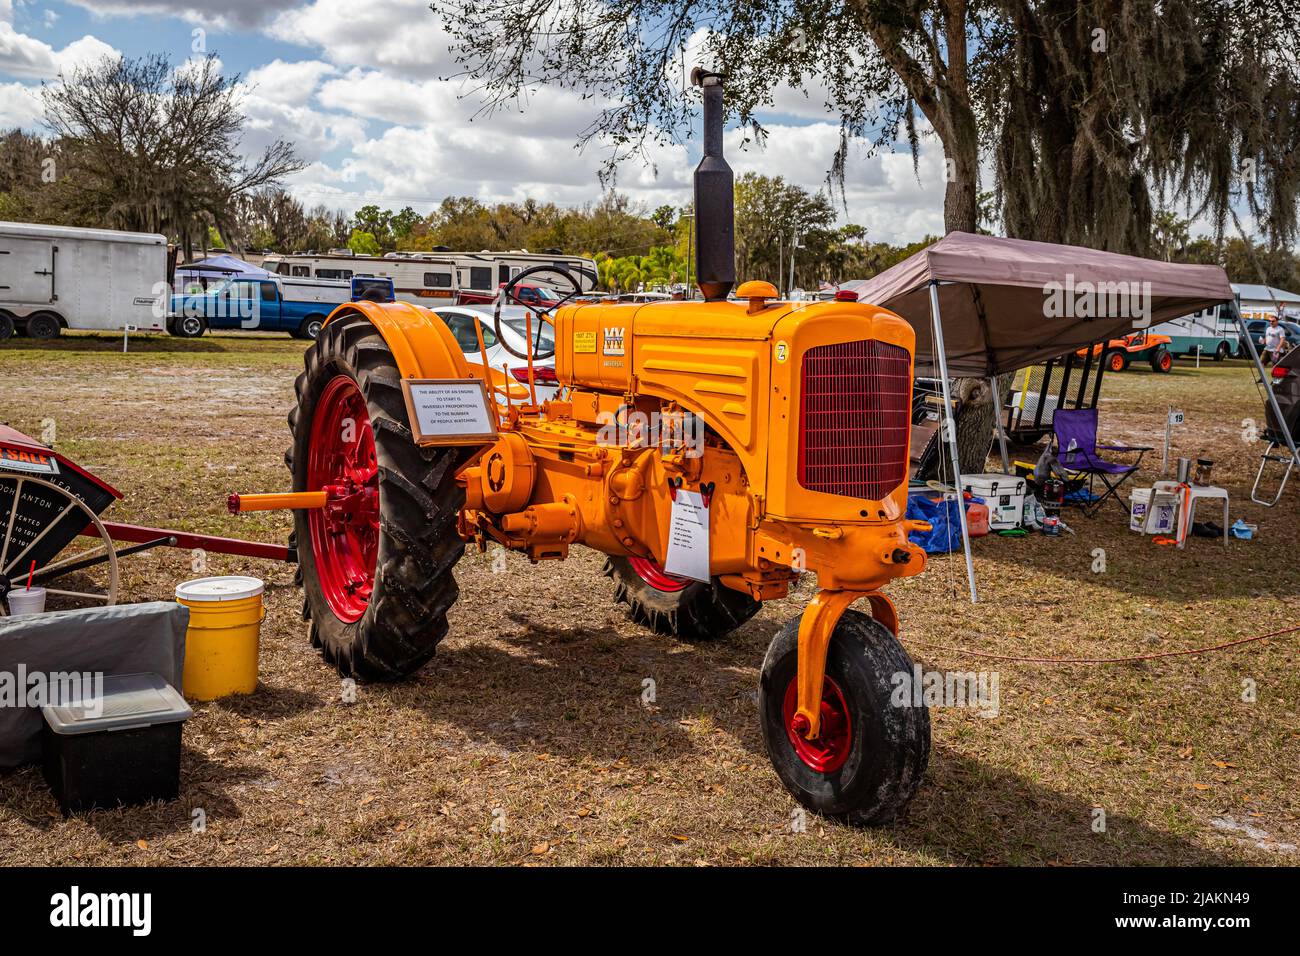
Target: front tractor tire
{"points": [[1162, 360], [376, 562], [868, 760], [680, 607]]}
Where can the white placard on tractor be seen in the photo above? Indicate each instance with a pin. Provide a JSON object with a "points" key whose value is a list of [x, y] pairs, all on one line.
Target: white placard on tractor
{"points": [[688, 537], [449, 411]]}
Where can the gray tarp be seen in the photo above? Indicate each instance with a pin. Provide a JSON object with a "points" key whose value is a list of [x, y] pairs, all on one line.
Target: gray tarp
{"points": [[124, 639], [996, 297]]}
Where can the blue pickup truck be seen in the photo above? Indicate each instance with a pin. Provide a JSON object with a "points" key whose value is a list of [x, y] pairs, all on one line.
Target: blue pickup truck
{"points": [[275, 304]]}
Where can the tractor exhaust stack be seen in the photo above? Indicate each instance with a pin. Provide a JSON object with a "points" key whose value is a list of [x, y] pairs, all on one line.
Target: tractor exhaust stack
{"points": [[715, 215]]}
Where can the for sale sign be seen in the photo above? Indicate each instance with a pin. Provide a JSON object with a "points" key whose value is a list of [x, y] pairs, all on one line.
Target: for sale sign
{"points": [[21, 459]]}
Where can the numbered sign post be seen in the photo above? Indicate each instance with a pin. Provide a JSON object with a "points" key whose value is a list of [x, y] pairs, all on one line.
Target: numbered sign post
{"points": [[1174, 417]]}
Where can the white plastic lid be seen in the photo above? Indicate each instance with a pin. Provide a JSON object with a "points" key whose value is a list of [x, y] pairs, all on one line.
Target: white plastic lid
{"points": [[231, 587]]}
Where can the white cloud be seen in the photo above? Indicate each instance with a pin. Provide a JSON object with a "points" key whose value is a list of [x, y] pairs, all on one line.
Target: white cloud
{"points": [[26, 57], [881, 192], [19, 106], [291, 83], [402, 37], [232, 13]]}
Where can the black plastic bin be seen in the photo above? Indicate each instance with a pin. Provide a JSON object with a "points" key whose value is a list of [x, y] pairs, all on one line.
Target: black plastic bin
{"points": [[123, 752]]}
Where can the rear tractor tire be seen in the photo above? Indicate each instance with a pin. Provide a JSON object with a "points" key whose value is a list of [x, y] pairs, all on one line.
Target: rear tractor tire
{"points": [[680, 607], [870, 755], [376, 565]]}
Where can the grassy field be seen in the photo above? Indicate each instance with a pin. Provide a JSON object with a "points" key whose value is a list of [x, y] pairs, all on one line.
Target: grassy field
{"points": [[530, 716]]}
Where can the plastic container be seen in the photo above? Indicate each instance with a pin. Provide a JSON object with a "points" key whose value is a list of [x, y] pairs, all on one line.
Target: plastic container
{"points": [[26, 601], [977, 519], [119, 750], [1003, 494], [221, 644], [1163, 520]]}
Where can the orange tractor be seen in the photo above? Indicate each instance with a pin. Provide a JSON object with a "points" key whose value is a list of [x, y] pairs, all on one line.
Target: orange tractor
{"points": [[712, 450]]}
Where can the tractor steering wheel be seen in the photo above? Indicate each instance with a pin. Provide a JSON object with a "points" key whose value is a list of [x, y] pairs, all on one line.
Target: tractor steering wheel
{"points": [[542, 314]]}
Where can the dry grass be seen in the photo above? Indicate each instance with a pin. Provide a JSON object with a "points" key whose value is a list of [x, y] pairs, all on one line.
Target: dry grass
{"points": [[531, 711]]}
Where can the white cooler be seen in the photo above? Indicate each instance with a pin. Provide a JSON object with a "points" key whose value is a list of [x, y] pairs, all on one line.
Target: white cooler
{"points": [[1004, 495]]}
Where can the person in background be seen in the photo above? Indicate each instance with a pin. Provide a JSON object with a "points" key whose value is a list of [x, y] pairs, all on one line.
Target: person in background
{"points": [[1274, 338]]}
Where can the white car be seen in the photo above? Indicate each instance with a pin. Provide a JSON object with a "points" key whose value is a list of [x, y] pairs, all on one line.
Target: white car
{"points": [[460, 319]]}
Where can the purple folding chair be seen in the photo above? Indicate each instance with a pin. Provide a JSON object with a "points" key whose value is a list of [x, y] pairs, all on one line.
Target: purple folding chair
{"points": [[1076, 450]]}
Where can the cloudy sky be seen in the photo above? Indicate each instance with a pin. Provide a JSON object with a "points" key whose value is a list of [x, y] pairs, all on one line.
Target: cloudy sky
{"points": [[354, 84]]}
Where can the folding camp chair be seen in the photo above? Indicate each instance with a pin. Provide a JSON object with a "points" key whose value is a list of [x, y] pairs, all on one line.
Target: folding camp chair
{"points": [[1076, 450]]}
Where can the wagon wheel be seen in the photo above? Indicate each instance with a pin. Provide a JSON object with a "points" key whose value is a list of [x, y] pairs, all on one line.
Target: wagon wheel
{"points": [[17, 542]]}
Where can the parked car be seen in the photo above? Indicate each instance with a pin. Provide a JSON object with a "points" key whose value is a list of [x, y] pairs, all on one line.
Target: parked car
{"points": [[514, 319], [1256, 327], [275, 304]]}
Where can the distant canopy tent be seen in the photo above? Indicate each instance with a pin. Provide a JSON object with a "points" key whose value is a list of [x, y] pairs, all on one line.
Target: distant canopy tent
{"points": [[219, 267], [1010, 303]]}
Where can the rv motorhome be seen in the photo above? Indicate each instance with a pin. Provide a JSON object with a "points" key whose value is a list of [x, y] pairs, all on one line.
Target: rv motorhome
{"points": [[1211, 331], [428, 281], [443, 277], [481, 275], [59, 277]]}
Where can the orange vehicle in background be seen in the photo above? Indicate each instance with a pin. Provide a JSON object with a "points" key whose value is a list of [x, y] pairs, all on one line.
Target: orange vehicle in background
{"points": [[1142, 346]]}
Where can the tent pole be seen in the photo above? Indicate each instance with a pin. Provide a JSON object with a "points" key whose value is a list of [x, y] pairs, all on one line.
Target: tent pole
{"points": [[1263, 378], [937, 323], [995, 398]]}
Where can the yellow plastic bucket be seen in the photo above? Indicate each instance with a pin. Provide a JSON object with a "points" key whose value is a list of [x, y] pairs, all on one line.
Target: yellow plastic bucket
{"points": [[221, 643]]}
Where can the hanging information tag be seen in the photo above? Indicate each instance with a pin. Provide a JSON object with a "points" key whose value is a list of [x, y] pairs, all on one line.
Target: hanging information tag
{"points": [[688, 537], [449, 411]]}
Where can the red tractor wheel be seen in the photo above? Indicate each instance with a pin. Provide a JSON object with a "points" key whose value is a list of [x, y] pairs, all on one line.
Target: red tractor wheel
{"points": [[868, 759], [1116, 361], [668, 604], [1162, 360], [376, 562]]}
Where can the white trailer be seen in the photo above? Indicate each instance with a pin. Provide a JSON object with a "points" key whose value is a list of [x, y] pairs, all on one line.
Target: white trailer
{"points": [[59, 277]]}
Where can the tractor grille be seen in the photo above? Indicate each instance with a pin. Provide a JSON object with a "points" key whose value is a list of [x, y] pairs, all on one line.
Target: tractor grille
{"points": [[854, 418]]}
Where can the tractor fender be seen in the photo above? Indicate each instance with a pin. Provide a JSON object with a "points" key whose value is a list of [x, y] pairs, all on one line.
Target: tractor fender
{"points": [[421, 343]]}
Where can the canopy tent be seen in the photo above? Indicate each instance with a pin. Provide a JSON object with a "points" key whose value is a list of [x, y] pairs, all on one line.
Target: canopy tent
{"points": [[985, 305], [1011, 303], [220, 267]]}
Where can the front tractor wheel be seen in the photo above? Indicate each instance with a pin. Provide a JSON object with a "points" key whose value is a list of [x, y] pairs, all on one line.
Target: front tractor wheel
{"points": [[668, 604], [375, 562], [1162, 360], [868, 759]]}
